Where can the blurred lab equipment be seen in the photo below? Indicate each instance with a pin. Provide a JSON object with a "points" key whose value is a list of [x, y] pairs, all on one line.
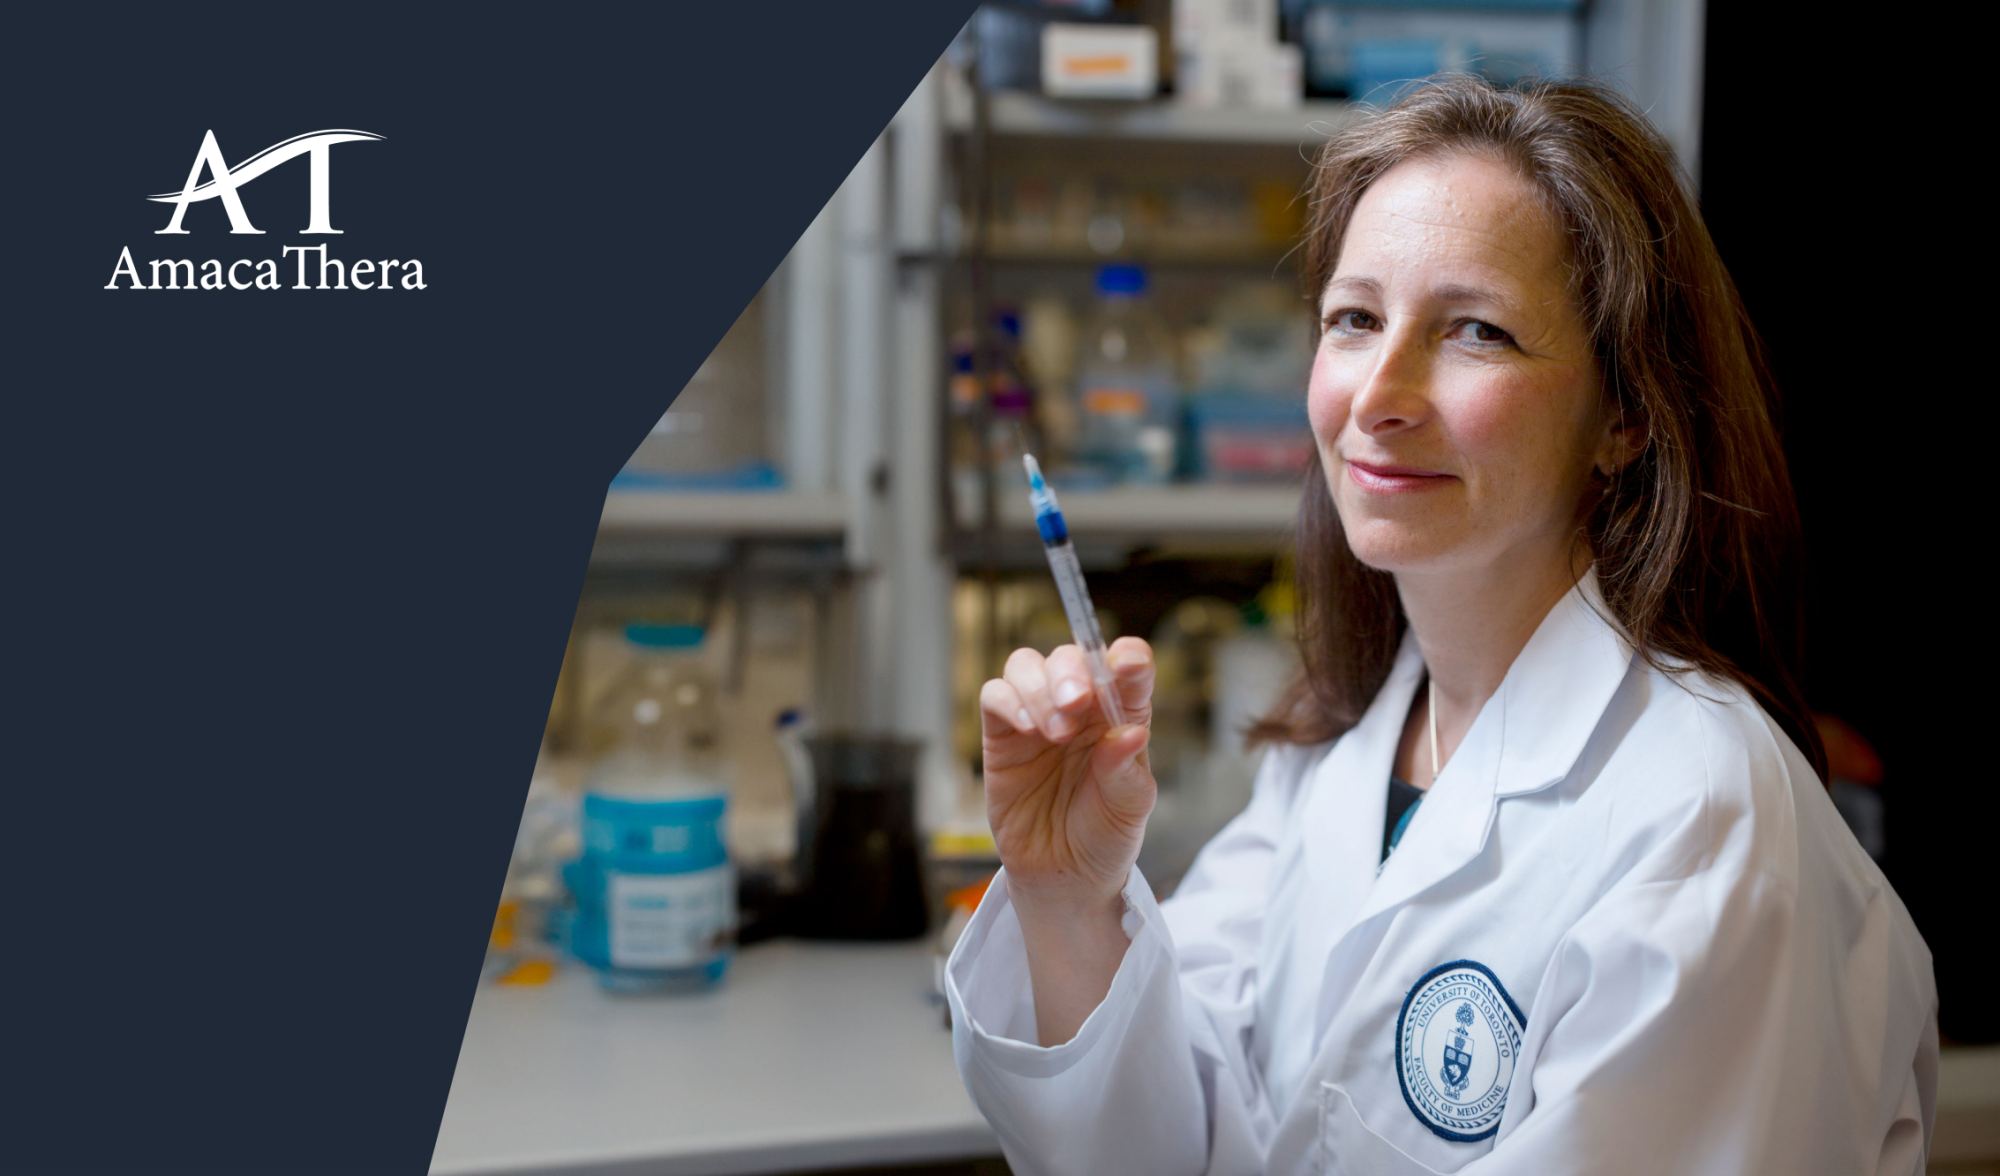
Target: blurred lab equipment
{"points": [[1063, 48], [655, 889], [1854, 777], [959, 905], [1251, 667], [860, 867], [1006, 40], [1184, 690], [1369, 49], [792, 729], [1100, 61], [767, 884], [1260, 342], [1381, 68], [1237, 438], [1048, 350], [961, 856], [715, 437], [1227, 54], [1246, 408], [528, 924], [1218, 668], [1128, 396], [1009, 409], [1039, 214]]}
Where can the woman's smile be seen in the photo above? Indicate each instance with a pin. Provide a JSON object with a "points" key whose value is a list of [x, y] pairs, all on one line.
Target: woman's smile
{"points": [[1394, 479]]}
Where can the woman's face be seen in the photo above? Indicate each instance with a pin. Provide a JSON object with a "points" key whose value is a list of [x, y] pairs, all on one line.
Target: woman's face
{"points": [[1454, 396]]}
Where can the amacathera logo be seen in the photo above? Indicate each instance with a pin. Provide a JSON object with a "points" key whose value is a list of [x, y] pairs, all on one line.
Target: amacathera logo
{"points": [[310, 267]]}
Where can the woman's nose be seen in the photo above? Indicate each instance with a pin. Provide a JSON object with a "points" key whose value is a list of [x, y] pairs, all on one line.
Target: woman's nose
{"points": [[1394, 394]]}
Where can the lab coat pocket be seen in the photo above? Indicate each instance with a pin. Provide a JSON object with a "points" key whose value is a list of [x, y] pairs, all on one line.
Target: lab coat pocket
{"points": [[1349, 1148]]}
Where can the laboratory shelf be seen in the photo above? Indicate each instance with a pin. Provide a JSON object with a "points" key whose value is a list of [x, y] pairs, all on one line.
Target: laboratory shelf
{"points": [[1235, 515], [773, 532], [1024, 115], [762, 514], [1226, 255]]}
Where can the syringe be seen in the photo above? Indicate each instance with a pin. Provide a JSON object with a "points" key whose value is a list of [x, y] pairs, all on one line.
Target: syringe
{"points": [[1069, 582]]}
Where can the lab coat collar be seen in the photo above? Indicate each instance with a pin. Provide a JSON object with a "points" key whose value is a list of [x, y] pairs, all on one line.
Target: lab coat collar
{"points": [[1557, 689], [1526, 737]]}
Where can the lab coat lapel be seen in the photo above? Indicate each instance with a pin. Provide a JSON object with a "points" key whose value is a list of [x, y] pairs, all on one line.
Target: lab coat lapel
{"points": [[1350, 794], [1557, 696], [1450, 825], [1525, 738]]}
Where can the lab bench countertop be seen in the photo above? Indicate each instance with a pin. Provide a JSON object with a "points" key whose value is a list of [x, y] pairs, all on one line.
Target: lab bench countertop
{"points": [[809, 1055]]}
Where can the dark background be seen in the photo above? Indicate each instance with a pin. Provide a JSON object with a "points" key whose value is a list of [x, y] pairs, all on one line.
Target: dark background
{"points": [[1830, 181], [289, 574]]}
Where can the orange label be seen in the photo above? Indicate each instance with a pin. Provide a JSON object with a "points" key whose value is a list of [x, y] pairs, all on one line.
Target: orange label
{"points": [[1103, 63], [1114, 400]]}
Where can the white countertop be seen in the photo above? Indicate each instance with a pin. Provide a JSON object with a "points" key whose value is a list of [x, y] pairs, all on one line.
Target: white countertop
{"points": [[809, 1055]]}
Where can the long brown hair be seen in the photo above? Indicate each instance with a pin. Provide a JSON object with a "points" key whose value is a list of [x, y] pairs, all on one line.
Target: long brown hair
{"points": [[1697, 541]]}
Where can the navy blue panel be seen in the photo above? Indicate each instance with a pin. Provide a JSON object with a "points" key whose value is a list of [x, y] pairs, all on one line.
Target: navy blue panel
{"points": [[289, 573]]}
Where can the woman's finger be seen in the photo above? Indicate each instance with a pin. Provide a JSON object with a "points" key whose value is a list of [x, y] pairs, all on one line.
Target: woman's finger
{"points": [[1131, 662], [1002, 714], [1069, 683], [1027, 673], [1124, 778]]}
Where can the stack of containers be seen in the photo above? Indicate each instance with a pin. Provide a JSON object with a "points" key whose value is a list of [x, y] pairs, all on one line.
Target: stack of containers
{"points": [[1227, 54]]}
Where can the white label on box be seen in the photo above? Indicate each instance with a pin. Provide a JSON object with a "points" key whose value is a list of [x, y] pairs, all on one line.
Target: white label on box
{"points": [[1099, 61], [671, 920]]}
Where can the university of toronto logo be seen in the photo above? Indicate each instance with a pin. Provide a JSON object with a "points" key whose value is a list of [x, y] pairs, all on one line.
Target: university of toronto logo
{"points": [[1457, 1039], [322, 272]]}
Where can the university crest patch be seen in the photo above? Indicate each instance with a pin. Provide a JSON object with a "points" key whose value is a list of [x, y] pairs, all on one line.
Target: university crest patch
{"points": [[1457, 1039]]}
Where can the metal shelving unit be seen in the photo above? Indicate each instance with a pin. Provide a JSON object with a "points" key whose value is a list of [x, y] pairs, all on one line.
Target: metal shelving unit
{"points": [[1229, 515], [784, 514], [1651, 49], [1030, 116]]}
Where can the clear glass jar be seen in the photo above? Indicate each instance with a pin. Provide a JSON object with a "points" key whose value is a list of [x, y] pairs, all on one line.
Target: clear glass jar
{"points": [[1125, 379]]}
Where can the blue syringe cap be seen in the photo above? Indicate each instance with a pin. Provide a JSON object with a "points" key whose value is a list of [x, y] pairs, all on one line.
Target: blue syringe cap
{"points": [[1049, 524]]}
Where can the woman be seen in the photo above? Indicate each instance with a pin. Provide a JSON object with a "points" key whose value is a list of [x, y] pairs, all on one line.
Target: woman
{"points": [[1539, 875]]}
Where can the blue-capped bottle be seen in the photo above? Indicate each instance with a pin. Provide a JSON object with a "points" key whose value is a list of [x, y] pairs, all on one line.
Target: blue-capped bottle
{"points": [[1128, 394], [655, 889]]}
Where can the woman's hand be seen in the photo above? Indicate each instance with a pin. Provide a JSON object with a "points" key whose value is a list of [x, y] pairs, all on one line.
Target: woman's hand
{"points": [[1067, 796]]}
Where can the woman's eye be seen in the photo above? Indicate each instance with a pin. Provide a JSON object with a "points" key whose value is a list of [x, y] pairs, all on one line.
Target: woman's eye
{"points": [[1486, 333], [1339, 321]]}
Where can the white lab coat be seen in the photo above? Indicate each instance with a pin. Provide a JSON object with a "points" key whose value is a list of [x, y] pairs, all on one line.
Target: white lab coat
{"points": [[1662, 951]]}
